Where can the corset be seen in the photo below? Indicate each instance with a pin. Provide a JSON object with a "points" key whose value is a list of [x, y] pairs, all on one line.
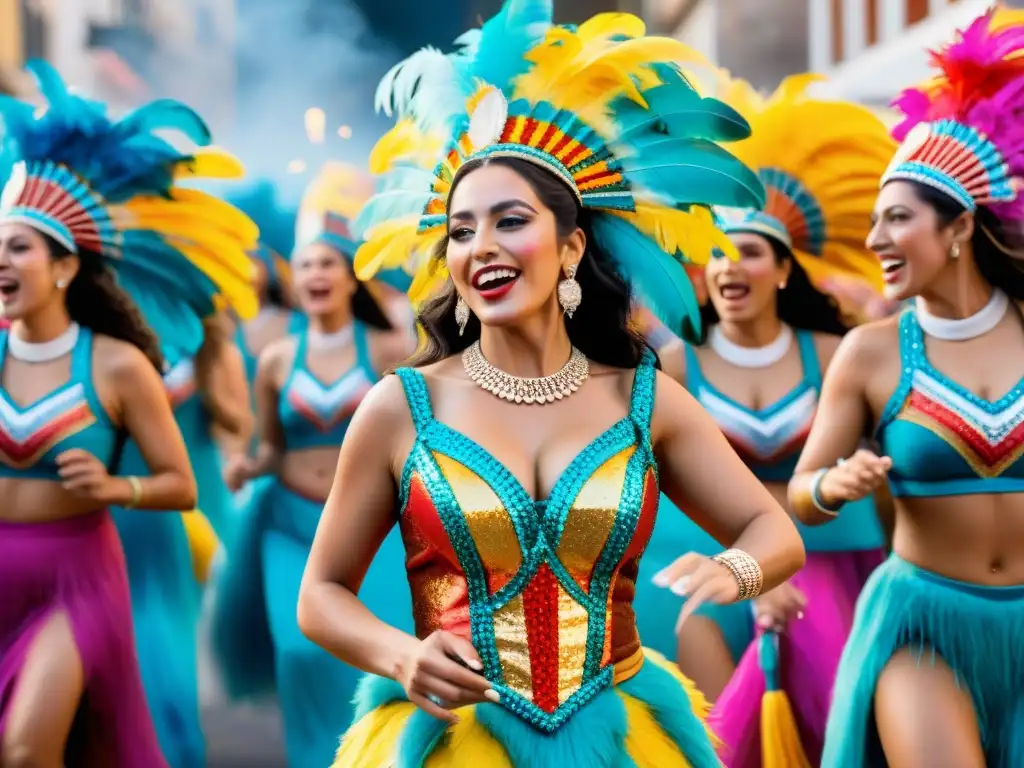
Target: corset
{"points": [[543, 589]]}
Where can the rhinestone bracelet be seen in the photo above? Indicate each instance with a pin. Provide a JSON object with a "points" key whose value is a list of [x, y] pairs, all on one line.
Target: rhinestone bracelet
{"points": [[745, 570]]}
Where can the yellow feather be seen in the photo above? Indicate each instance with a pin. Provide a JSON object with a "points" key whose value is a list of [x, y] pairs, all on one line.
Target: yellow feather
{"points": [[202, 543], [339, 188], [605, 25], [405, 142], [210, 163], [391, 245], [692, 233]]}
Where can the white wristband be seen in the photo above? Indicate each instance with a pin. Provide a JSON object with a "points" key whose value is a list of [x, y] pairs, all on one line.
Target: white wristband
{"points": [[815, 487]]}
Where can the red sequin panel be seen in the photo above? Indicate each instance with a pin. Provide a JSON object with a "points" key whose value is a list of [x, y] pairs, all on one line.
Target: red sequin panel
{"points": [[540, 605]]}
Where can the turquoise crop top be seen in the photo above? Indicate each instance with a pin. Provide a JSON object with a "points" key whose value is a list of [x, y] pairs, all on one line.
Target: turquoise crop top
{"points": [[314, 414], [943, 439], [769, 441], [71, 416]]}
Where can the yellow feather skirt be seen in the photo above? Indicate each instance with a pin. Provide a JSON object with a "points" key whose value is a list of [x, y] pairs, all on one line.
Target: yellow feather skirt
{"points": [[638, 721], [202, 543]]}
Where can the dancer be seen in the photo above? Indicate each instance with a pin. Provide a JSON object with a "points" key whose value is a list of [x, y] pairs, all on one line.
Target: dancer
{"points": [[526, 651], [772, 333], [933, 671], [87, 199], [307, 388]]}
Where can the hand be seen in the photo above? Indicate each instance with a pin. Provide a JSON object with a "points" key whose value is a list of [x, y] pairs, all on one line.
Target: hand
{"points": [[853, 479], [777, 607], [86, 477], [443, 674], [238, 469], [701, 580]]}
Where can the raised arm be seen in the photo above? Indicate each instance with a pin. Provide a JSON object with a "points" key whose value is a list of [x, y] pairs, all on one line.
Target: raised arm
{"points": [[358, 514], [821, 484], [702, 474]]}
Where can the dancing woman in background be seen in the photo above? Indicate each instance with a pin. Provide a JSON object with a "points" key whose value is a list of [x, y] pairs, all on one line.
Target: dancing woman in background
{"points": [[86, 198], [933, 673], [307, 388], [772, 333], [522, 567]]}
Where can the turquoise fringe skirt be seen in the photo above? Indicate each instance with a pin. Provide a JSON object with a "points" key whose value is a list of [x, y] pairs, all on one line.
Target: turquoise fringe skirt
{"points": [[977, 631], [255, 636]]}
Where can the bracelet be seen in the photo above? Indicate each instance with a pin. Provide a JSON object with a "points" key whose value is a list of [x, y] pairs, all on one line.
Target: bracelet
{"points": [[815, 488], [745, 569], [136, 486]]}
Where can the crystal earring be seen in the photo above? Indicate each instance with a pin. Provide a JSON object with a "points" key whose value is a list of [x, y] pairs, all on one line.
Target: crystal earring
{"points": [[62, 284], [954, 251], [570, 296], [461, 314]]}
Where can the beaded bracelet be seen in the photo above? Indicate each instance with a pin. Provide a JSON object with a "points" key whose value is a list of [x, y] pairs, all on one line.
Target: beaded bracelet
{"points": [[745, 569], [815, 488]]}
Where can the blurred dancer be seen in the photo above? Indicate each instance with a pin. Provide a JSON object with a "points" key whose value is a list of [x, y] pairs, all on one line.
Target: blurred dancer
{"points": [[307, 388], [85, 199], [523, 557], [933, 672]]}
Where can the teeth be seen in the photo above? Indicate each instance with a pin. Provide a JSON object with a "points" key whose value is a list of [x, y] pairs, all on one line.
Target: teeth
{"points": [[890, 265], [494, 274]]}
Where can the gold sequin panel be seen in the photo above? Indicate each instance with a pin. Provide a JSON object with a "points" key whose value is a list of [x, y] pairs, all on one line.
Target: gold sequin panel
{"points": [[489, 523], [592, 518]]}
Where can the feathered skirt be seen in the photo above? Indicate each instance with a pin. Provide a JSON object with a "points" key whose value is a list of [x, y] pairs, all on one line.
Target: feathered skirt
{"points": [[77, 566], [977, 631], [655, 719]]}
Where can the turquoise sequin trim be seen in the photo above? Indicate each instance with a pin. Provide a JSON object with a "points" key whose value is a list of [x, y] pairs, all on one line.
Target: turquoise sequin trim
{"points": [[539, 525], [933, 178]]}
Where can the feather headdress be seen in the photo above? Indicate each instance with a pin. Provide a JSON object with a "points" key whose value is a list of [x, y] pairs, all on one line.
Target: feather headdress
{"points": [[820, 162], [276, 224], [963, 131], [602, 107], [112, 187]]}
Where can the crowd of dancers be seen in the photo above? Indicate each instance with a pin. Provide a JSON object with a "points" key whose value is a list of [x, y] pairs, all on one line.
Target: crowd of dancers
{"points": [[614, 415]]}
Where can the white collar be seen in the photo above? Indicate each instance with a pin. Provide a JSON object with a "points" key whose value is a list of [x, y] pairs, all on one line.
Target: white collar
{"points": [[751, 357], [978, 324], [325, 341], [43, 352]]}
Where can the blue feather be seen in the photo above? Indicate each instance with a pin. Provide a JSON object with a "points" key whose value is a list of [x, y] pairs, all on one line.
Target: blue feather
{"points": [[504, 39], [659, 280], [388, 205], [276, 221]]}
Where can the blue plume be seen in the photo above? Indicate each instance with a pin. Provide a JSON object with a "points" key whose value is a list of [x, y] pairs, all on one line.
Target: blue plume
{"points": [[519, 25], [658, 280], [276, 221]]}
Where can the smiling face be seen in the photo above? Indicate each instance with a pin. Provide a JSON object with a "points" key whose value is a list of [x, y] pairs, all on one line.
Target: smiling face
{"points": [[28, 272], [504, 252], [911, 241], [323, 280], [746, 289]]}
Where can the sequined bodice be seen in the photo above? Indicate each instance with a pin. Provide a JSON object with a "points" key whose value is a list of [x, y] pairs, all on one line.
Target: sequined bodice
{"points": [[544, 589], [943, 439]]}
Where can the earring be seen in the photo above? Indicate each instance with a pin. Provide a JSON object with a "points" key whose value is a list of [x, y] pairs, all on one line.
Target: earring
{"points": [[570, 296], [954, 251], [782, 285], [62, 284], [461, 314]]}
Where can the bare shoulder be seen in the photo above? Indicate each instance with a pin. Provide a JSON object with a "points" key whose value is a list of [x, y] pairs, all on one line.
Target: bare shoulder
{"points": [[386, 405], [870, 344], [120, 361], [826, 344], [621, 379], [389, 348]]}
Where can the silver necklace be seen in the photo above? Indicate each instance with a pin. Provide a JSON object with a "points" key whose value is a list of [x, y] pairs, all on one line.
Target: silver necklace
{"points": [[751, 357], [326, 341]]}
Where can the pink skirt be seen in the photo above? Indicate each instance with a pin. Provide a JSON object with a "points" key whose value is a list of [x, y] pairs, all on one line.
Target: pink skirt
{"points": [[77, 566], [809, 652]]}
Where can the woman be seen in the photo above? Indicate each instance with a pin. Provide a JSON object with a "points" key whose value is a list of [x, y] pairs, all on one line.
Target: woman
{"points": [[938, 626], [522, 568], [772, 334], [85, 199], [307, 388]]}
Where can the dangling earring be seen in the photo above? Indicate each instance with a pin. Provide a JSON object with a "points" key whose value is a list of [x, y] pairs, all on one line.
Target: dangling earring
{"points": [[461, 314], [62, 284], [782, 285], [954, 251], [570, 296]]}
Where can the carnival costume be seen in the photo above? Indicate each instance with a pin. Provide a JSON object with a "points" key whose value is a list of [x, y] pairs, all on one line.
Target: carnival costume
{"points": [[962, 135], [108, 190], [820, 162], [255, 632], [544, 588]]}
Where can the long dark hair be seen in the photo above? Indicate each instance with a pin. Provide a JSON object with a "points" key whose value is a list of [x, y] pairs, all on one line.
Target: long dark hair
{"points": [[600, 327], [365, 307], [999, 269], [800, 304], [95, 301]]}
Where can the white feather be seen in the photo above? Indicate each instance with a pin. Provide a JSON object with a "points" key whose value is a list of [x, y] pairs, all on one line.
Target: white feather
{"points": [[488, 120]]}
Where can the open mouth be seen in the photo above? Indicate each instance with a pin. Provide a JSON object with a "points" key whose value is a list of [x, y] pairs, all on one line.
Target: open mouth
{"points": [[494, 282], [318, 293], [734, 291], [892, 268], [8, 288]]}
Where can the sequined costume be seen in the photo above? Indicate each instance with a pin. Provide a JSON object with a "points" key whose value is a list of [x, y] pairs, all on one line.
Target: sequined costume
{"points": [[108, 190]]}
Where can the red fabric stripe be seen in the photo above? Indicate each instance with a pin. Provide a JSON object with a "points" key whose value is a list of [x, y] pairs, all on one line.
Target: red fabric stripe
{"points": [[68, 423], [529, 128], [550, 131], [510, 125], [604, 174], [645, 524], [540, 606], [966, 433], [571, 157]]}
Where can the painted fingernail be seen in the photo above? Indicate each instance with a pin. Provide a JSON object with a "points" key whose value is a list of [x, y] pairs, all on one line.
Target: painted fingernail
{"points": [[681, 587], [661, 579], [799, 614], [493, 695], [473, 664]]}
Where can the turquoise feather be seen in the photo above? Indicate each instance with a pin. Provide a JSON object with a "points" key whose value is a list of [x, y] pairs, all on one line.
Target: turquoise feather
{"points": [[497, 58], [658, 279]]}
